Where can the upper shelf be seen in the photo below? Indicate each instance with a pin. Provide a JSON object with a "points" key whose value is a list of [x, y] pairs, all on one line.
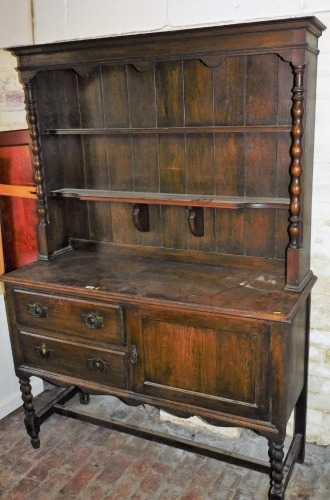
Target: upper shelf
{"points": [[169, 130], [195, 200]]}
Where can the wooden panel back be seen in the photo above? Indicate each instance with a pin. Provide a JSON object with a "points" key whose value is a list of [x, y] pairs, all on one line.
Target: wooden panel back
{"points": [[241, 90]]}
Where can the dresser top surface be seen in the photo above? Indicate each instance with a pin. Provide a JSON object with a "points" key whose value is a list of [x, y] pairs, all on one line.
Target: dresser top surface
{"points": [[142, 280]]}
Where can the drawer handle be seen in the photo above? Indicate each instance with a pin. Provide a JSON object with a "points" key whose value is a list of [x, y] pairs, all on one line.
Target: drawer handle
{"points": [[37, 310], [92, 320], [98, 364], [44, 352]]}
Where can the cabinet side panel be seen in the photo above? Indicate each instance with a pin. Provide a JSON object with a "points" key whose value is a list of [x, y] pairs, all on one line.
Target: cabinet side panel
{"points": [[307, 161], [295, 359]]}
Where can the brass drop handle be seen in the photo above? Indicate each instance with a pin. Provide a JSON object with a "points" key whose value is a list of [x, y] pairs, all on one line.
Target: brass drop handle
{"points": [[44, 352], [92, 320], [98, 364], [37, 310]]}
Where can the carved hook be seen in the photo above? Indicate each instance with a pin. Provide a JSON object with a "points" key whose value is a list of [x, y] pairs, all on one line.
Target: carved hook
{"points": [[196, 220], [141, 218]]}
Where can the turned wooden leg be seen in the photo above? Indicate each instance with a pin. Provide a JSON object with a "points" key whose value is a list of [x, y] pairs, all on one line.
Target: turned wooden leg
{"points": [[277, 454], [31, 424], [83, 398]]}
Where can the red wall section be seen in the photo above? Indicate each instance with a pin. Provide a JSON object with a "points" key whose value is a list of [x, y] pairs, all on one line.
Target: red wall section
{"points": [[19, 219]]}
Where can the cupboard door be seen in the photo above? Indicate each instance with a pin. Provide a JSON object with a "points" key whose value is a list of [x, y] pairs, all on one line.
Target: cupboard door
{"points": [[216, 363]]}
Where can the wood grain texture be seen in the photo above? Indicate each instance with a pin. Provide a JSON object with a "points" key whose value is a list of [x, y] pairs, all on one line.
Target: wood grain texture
{"points": [[260, 233], [230, 231], [68, 317], [260, 165], [198, 93], [230, 164], [169, 94], [204, 361], [95, 153], [172, 164], [75, 360], [261, 89], [18, 191], [200, 164], [229, 92], [142, 279]]}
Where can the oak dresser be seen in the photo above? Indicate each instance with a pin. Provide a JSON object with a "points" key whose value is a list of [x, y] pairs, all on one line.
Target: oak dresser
{"points": [[174, 179]]}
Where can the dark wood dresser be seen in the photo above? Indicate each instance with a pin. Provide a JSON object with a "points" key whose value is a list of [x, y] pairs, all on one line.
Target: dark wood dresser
{"points": [[174, 180]]}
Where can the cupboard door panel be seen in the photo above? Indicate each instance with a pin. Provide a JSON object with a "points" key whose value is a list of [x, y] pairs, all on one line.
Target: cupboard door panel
{"points": [[206, 361], [200, 362]]}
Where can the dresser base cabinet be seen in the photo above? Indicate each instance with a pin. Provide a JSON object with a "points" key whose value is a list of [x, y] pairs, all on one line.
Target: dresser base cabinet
{"points": [[229, 369], [173, 175]]}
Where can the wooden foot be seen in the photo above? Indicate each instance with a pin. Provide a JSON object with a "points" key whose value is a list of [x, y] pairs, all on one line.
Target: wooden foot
{"points": [[83, 398], [31, 424]]}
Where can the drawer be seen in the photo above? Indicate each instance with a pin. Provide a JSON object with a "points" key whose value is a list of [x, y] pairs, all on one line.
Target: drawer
{"points": [[79, 361], [87, 320]]}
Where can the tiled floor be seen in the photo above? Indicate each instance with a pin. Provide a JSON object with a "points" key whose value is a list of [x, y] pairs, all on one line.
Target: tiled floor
{"points": [[79, 460]]}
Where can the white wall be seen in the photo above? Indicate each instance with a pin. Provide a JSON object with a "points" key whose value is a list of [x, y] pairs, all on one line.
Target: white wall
{"points": [[10, 395], [56, 20]]}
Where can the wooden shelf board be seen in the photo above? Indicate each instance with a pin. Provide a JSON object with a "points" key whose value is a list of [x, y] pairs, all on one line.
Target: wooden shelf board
{"points": [[171, 130], [19, 191], [195, 200]]}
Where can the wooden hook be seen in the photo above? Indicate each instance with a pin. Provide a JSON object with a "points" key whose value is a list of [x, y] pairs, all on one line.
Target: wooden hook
{"points": [[141, 218], [196, 220]]}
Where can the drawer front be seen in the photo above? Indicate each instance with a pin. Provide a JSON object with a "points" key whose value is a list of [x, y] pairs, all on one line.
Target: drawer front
{"points": [[88, 320], [95, 365]]}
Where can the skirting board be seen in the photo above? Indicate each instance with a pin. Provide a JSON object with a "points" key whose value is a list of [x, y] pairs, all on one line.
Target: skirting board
{"points": [[14, 401]]}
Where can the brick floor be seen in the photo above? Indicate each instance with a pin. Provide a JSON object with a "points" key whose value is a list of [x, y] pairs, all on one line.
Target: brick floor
{"points": [[79, 460]]}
